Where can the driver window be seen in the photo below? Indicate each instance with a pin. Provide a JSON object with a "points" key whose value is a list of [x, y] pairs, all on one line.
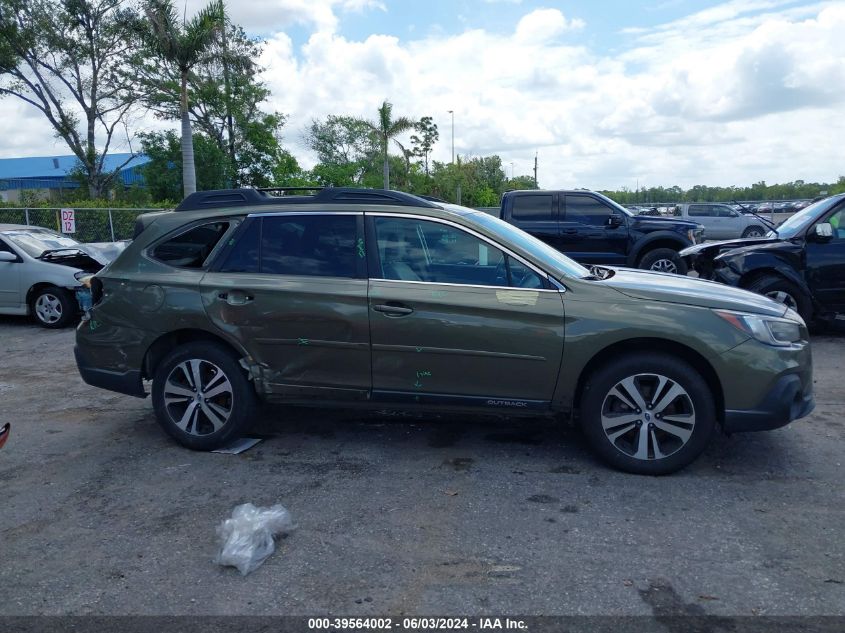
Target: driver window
{"points": [[586, 210], [426, 251], [837, 222]]}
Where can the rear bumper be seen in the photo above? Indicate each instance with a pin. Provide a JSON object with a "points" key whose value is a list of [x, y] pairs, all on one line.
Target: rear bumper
{"points": [[128, 382], [785, 401]]}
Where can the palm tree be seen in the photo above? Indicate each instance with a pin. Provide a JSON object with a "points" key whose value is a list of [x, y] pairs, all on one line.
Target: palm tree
{"points": [[183, 44], [386, 128]]}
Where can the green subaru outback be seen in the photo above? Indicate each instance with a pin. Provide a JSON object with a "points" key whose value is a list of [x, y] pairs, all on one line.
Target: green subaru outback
{"points": [[370, 298]]}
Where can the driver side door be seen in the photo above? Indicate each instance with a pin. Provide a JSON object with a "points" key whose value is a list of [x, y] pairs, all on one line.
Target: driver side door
{"points": [[10, 279], [825, 265]]}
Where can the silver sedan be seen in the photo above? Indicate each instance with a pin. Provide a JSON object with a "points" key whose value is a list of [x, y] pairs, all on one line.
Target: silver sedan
{"points": [[37, 268]]}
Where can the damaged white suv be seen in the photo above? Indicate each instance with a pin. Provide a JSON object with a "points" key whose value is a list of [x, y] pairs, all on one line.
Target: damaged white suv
{"points": [[37, 268]]}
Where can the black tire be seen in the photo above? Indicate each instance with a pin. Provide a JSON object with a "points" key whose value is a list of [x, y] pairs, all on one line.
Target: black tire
{"points": [[664, 260], [753, 231], [235, 405], [54, 307], [664, 452], [784, 291]]}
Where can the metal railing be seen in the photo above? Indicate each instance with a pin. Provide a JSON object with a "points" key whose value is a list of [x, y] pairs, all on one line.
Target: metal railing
{"points": [[92, 225]]}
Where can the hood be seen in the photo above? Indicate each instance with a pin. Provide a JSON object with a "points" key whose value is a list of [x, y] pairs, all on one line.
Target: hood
{"points": [[711, 249], [652, 286], [762, 246], [104, 252]]}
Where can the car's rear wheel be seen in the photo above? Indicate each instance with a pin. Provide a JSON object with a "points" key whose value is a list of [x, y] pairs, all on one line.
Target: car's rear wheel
{"points": [[785, 292], [650, 414], [753, 231], [664, 260], [53, 307], [202, 397]]}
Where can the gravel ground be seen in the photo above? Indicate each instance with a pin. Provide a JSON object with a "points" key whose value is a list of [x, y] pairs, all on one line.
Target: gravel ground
{"points": [[102, 514]]}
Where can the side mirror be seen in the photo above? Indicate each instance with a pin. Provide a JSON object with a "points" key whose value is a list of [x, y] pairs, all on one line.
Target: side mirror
{"points": [[6, 256], [823, 231], [614, 220]]}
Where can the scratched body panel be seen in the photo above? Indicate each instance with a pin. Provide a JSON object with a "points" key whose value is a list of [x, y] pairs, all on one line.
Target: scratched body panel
{"points": [[467, 340], [303, 332]]}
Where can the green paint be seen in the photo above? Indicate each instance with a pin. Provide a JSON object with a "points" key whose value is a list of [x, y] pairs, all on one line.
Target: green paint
{"points": [[361, 251], [303, 341], [93, 325], [423, 374], [419, 349], [418, 384]]}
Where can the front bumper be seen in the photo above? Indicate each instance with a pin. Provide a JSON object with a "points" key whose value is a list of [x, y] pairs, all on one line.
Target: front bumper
{"points": [[785, 401]]}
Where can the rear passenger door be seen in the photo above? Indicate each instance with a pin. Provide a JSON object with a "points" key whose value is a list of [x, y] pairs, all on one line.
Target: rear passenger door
{"points": [[707, 216], [292, 288], [537, 214]]}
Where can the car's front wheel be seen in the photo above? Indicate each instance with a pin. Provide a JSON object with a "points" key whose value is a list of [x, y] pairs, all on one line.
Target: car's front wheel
{"points": [[202, 397], [753, 231], [646, 413], [53, 307], [785, 292], [664, 260]]}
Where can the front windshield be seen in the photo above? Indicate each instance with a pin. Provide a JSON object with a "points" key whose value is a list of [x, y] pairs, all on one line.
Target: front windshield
{"points": [[35, 242], [799, 222], [530, 244]]}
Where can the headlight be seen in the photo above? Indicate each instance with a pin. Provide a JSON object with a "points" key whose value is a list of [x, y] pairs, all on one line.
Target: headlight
{"points": [[778, 331], [84, 278]]}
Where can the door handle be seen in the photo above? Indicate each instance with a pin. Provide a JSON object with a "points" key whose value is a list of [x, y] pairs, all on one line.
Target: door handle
{"points": [[235, 297], [393, 310]]}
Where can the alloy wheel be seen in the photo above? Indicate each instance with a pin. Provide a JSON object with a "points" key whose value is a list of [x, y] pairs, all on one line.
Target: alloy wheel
{"points": [[648, 416], [664, 266], [48, 308], [198, 397]]}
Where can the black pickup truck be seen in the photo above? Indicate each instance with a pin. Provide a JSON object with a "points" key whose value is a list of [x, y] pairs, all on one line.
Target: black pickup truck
{"points": [[593, 229]]}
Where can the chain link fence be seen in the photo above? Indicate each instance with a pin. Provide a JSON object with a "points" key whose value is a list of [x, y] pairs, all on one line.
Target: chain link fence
{"points": [[92, 225]]}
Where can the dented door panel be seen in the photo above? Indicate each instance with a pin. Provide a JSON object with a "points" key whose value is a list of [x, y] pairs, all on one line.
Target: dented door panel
{"points": [[308, 336]]}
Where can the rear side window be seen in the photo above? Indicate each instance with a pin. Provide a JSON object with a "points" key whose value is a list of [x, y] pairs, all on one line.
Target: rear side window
{"points": [[532, 207], [315, 245], [191, 248], [701, 211]]}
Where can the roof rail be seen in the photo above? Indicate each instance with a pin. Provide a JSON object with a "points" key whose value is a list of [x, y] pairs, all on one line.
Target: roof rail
{"points": [[225, 198]]}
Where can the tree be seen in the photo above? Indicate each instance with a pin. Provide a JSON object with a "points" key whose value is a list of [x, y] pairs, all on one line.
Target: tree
{"points": [[345, 148], [224, 103], [424, 143], [64, 59], [163, 173], [182, 45], [386, 128]]}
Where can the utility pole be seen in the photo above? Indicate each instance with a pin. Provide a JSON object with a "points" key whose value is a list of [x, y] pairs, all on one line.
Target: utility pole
{"points": [[535, 170]]}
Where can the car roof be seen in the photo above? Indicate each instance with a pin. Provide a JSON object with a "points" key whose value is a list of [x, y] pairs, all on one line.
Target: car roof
{"points": [[280, 197], [21, 227]]}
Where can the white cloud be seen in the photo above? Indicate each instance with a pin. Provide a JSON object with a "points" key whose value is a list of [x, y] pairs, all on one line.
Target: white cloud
{"points": [[748, 91]]}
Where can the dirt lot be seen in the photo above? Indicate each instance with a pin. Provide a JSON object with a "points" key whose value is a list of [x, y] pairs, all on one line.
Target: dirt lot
{"points": [[102, 514]]}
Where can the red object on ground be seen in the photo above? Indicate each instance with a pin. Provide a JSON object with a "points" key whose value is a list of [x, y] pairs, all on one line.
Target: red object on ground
{"points": [[4, 433]]}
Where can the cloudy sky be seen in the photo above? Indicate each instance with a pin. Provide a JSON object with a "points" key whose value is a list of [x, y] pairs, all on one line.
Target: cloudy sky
{"points": [[607, 93]]}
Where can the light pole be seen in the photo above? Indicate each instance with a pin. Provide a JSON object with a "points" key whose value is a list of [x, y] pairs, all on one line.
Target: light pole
{"points": [[452, 112], [511, 170]]}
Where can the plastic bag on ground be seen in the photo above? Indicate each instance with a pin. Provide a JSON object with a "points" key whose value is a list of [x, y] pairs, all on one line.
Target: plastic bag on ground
{"points": [[247, 538]]}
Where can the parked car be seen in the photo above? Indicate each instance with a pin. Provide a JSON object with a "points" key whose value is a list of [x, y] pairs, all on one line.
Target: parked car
{"points": [[361, 298], [593, 229], [721, 221], [37, 268], [800, 263]]}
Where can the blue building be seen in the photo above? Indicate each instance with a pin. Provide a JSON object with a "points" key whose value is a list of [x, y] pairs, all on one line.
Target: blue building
{"points": [[48, 176]]}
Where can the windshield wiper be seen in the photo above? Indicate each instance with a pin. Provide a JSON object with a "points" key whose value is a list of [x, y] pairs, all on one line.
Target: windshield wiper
{"points": [[768, 222], [51, 252]]}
